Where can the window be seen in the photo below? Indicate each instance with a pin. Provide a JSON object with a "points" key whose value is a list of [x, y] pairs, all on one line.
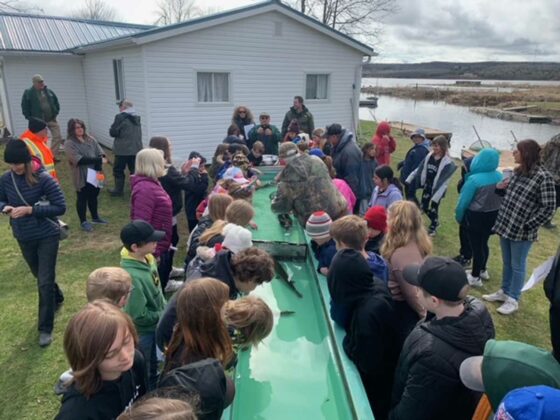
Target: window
{"points": [[212, 87], [316, 86], [118, 76]]}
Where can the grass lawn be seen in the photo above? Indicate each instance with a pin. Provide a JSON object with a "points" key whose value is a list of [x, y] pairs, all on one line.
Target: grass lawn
{"points": [[28, 373]]}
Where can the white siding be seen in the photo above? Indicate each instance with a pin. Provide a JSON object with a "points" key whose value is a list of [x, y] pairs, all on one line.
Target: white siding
{"points": [[62, 74], [100, 90], [266, 72]]}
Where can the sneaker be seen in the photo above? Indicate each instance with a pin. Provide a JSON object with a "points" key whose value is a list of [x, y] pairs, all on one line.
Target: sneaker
{"points": [[509, 306], [177, 272], [483, 274], [474, 281], [549, 225], [99, 221], [465, 262], [45, 339], [173, 286], [86, 226], [60, 387], [499, 296]]}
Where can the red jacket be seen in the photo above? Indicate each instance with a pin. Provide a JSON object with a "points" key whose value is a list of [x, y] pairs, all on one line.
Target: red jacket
{"points": [[384, 143], [150, 202]]}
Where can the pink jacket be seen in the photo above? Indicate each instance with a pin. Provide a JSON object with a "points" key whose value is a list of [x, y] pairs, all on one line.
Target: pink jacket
{"points": [[150, 202], [384, 143], [343, 187]]}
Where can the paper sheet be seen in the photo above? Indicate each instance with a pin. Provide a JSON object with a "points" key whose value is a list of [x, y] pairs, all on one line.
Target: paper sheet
{"points": [[92, 177], [539, 274], [248, 129]]}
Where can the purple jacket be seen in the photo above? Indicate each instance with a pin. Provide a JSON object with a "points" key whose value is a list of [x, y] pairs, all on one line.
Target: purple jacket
{"points": [[150, 202]]}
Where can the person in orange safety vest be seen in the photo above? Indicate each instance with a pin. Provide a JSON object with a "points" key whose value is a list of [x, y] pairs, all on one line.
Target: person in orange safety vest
{"points": [[36, 138]]}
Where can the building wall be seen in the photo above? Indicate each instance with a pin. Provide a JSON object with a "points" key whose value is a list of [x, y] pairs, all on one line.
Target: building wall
{"points": [[62, 74]]}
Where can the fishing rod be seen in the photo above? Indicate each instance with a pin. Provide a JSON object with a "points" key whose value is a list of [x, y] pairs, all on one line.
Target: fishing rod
{"points": [[479, 139]]}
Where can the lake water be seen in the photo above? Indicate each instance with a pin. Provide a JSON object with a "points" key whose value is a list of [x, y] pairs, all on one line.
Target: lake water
{"points": [[393, 82], [453, 118]]}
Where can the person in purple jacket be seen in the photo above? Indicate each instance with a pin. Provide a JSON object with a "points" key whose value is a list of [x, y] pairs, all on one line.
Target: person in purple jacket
{"points": [[149, 201], [388, 189]]}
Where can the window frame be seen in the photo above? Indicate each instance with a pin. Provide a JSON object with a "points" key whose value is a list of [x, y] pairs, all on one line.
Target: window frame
{"points": [[317, 73], [213, 103], [118, 79]]}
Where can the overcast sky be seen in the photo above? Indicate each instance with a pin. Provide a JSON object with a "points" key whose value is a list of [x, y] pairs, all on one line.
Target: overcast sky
{"points": [[424, 30]]}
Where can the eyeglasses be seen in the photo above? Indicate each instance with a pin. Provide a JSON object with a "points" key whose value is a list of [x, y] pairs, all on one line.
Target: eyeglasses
{"points": [[242, 112]]}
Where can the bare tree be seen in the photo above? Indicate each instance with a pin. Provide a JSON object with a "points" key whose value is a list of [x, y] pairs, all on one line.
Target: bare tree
{"points": [[10, 6], [175, 11], [96, 10]]}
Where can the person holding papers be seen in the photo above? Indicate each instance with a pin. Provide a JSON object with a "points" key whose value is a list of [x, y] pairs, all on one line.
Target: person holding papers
{"points": [[86, 159], [243, 118]]}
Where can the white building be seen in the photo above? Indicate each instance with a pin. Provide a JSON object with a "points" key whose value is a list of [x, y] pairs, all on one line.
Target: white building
{"points": [[185, 79]]}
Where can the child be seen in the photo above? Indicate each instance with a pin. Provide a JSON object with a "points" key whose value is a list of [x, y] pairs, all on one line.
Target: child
{"points": [[367, 172], [388, 189], [111, 283], [251, 319], [427, 382], [318, 229], [146, 302], [376, 219], [256, 155], [293, 131], [351, 232], [160, 408], [413, 158], [384, 143], [109, 375]]}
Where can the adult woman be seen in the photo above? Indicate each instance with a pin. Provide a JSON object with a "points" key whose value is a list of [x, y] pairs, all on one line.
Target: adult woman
{"points": [[433, 175], [388, 189], [529, 202], [406, 243], [84, 155], [33, 200], [149, 201], [241, 117], [108, 373], [477, 209]]}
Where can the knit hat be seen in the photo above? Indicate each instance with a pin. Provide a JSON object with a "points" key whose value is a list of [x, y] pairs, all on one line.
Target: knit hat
{"points": [[376, 218], [236, 238], [318, 225], [294, 126], [36, 124], [287, 150], [16, 152]]}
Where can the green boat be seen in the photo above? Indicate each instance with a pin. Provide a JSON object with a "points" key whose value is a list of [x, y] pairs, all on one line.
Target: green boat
{"points": [[300, 371]]}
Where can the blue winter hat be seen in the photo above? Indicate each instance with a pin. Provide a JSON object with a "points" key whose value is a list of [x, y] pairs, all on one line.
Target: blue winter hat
{"points": [[418, 132], [530, 403], [317, 152]]}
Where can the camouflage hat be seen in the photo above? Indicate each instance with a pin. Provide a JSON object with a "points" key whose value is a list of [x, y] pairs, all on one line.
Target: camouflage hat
{"points": [[287, 149]]}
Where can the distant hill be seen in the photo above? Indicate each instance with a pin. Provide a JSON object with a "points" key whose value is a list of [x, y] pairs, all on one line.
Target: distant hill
{"points": [[482, 70]]}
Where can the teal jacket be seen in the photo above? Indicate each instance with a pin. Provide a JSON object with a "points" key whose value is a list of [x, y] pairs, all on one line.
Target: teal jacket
{"points": [[146, 302], [480, 183], [270, 141], [30, 106]]}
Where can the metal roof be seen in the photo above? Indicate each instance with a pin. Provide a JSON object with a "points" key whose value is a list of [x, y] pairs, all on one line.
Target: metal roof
{"points": [[36, 33]]}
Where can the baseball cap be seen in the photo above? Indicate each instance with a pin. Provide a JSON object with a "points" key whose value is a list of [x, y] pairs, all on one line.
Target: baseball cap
{"points": [[139, 231], [439, 276], [37, 78], [235, 174], [333, 130], [530, 403]]}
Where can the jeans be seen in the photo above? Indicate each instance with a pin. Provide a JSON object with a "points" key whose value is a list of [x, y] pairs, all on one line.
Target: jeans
{"points": [[147, 345], [40, 256], [87, 197], [514, 256]]}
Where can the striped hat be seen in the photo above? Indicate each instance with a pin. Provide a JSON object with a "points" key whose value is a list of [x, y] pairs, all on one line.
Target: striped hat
{"points": [[318, 225]]}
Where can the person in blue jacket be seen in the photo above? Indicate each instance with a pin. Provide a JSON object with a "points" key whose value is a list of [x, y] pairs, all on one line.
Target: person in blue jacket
{"points": [[412, 160], [478, 207]]}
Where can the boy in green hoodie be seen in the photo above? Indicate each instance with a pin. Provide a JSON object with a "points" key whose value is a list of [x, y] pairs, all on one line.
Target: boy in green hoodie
{"points": [[146, 302]]}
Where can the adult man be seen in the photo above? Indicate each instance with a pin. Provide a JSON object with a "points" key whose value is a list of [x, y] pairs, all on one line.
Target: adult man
{"points": [[40, 102], [127, 131], [347, 156], [35, 137], [267, 133], [413, 159], [305, 186], [300, 113]]}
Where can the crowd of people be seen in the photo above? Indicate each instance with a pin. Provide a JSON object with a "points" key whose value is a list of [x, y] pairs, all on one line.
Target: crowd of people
{"points": [[424, 348]]}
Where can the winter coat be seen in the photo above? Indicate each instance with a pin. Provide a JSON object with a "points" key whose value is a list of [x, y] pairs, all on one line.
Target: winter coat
{"points": [[194, 239], [34, 226], [234, 140], [174, 183], [479, 190], [304, 119], [384, 143], [344, 189], [417, 179], [413, 159], [111, 400], [385, 198], [367, 171], [427, 383], [241, 123], [127, 131], [270, 141], [347, 160], [197, 192], [150, 202], [81, 157], [552, 292], [374, 244], [146, 302], [529, 203], [323, 253], [304, 186], [551, 157], [31, 106]]}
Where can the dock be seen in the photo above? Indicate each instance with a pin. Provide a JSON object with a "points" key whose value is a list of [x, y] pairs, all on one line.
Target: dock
{"points": [[409, 128], [369, 102], [506, 158], [508, 115]]}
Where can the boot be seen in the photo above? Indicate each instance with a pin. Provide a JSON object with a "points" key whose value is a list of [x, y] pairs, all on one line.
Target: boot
{"points": [[119, 187]]}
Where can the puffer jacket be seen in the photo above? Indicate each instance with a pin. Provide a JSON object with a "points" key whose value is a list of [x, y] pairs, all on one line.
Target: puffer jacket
{"points": [[427, 383], [347, 161], [127, 131], [34, 226], [479, 190], [150, 202]]}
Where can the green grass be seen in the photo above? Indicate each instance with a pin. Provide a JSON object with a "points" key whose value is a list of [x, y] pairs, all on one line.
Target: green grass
{"points": [[28, 373]]}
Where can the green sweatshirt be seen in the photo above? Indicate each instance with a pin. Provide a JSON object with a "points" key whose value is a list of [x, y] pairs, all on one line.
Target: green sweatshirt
{"points": [[146, 303]]}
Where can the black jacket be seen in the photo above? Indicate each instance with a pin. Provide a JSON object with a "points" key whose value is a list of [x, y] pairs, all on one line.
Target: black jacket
{"points": [[552, 292], [127, 131], [195, 193], [347, 161], [427, 383], [174, 183], [111, 400]]}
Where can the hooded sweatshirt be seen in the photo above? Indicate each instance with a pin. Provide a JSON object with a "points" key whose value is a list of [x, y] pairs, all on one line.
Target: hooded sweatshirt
{"points": [[385, 198], [384, 143], [127, 131], [427, 383]]}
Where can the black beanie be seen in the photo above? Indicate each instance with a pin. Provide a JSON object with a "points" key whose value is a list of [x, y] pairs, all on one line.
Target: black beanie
{"points": [[16, 152], [35, 125]]}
